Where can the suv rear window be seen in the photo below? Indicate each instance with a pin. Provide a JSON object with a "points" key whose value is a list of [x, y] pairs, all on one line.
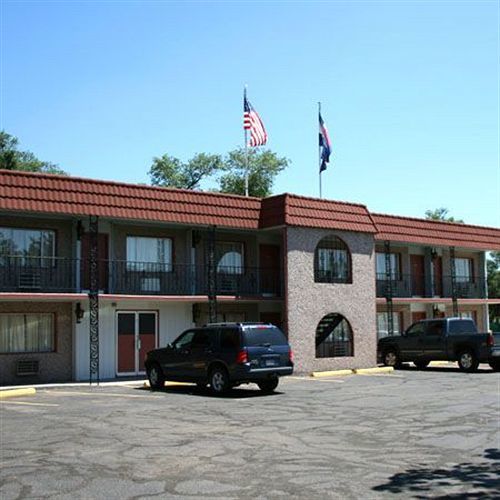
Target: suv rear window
{"points": [[462, 326], [256, 336]]}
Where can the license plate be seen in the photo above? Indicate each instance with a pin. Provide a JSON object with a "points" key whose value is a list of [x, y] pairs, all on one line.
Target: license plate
{"points": [[270, 362]]}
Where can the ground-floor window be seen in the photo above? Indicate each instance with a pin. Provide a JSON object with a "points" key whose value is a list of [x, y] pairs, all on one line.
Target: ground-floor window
{"points": [[383, 324], [27, 333], [334, 337]]}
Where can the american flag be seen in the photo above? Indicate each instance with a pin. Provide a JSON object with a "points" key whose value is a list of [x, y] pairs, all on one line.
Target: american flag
{"points": [[252, 122]]}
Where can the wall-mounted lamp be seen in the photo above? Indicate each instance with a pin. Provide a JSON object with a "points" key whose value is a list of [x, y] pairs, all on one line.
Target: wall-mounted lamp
{"points": [[434, 254], [79, 312], [195, 311]]}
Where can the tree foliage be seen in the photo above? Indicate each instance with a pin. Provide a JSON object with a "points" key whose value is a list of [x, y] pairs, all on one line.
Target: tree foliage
{"points": [[11, 158], [493, 273], [168, 171], [441, 214], [263, 167], [227, 172]]}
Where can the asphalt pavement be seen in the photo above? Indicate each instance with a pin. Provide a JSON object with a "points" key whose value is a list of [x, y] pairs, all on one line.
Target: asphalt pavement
{"points": [[410, 434]]}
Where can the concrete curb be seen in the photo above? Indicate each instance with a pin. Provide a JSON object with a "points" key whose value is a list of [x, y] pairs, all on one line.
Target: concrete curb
{"points": [[355, 371], [332, 373], [369, 371], [29, 391]]}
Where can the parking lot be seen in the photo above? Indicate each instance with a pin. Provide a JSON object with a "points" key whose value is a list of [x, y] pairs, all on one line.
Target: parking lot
{"points": [[410, 434]]}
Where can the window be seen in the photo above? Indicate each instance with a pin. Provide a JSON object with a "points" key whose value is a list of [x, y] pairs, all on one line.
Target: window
{"points": [[26, 333], [149, 254], [334, 337], [229, 257], [383, 326], [381, 267], [458, 327], [464, 270], [33, 246], [415, 330], [434, 329], [229, 339], [184, 341], [332, 261]]}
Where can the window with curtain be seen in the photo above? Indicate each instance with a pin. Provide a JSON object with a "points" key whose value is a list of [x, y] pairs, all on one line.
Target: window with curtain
{"points": [[30, 246], [383, 324], [381, 267], [332, 261], [27, 333], [229, 257], [464, 270], [149, 254]]}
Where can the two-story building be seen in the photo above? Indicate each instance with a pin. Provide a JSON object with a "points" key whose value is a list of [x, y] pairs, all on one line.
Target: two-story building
{"points": [[93, 274]]}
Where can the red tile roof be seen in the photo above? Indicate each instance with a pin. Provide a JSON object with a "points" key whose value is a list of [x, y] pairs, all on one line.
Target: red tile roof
{"points": [[438, 233], [75, 196], [31, 192]]}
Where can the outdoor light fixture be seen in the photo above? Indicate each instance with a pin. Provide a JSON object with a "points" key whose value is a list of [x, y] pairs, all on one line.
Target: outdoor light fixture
{"points": [[434, 254], [79, 312]]}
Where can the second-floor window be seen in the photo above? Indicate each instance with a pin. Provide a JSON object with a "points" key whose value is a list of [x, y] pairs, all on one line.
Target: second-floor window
{"points": [[149, 254], [381, 266], [30, 246], [332, 261], [464, 270], [229, 257]]}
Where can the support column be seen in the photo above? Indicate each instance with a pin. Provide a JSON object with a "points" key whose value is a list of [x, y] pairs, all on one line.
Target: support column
{"points": [[94, 299], [212, 277], [389, 292], [453, 276]]}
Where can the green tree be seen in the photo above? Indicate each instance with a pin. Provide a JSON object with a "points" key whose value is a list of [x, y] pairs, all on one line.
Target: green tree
{"points": [[441, 214], [263, 167], [11, 158], [493, 273], [168, 171]]}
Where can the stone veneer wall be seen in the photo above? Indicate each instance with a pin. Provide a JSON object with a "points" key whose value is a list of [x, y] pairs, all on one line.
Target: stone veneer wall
{"points": [[308, 301], [54, 366]]}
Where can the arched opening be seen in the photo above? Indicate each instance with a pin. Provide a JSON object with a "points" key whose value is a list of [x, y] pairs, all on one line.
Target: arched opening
{"points": [[332, 261], [334, 338]]}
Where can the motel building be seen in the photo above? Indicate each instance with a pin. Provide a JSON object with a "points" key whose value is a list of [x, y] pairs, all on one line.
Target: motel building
{"points": [[94, 274]]}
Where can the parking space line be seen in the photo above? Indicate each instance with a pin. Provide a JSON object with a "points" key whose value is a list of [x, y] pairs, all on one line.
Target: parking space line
{"points": [[26, 403], [389, 375], [76, 393], [312, 379]]}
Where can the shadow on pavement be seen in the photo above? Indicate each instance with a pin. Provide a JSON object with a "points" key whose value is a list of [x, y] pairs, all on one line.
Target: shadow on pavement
{"points": [[483, 477], [193, 390]]}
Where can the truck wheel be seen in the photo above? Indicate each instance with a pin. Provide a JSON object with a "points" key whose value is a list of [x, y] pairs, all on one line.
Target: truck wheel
{"points": [[467, 361], [156, 377], [268, 386], [495, 365], [421, 364], [391, 358]]}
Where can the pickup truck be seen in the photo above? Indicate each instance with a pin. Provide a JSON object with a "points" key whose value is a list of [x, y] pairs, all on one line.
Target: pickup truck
{"points": [[444, 339]]}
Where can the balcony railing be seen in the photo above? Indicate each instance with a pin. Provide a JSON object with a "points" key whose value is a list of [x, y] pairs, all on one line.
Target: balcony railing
{"points": [[406, 285], [18, 274]]}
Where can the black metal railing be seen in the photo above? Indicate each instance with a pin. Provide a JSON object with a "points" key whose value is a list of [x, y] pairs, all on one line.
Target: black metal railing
{"points": [[38, 274], [406, 285], [58, 274]]}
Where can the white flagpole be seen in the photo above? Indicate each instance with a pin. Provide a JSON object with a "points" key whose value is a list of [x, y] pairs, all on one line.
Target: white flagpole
{"points": [[246, 146], [319, 151]]}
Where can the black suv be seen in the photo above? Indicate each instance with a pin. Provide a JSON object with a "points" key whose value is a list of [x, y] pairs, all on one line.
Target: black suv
{"points": [[223, 355]]}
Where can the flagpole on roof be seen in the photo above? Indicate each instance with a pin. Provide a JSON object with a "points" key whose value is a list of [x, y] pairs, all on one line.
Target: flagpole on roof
{"points": [[319, 153], [246, 145]]}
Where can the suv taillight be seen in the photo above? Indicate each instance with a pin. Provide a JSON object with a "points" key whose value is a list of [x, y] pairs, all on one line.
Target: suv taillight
{"points": [[290, 355], [490, 341], [242, 357]]}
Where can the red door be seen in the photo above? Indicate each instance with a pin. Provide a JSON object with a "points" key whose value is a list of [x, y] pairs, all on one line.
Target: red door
{"points": [[269, 263], [136, 335], [417, 316], [102, 256], [417, 275], [437, 264]]}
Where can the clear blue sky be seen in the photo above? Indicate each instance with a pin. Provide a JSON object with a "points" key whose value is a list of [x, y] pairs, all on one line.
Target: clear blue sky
{"points": [[409, 91]]}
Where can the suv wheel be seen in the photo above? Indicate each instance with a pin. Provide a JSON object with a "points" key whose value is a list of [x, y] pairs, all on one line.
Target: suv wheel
{"points": [[268, 386], [156, 377], [391, 358], [467, 361], [219, 380]]}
